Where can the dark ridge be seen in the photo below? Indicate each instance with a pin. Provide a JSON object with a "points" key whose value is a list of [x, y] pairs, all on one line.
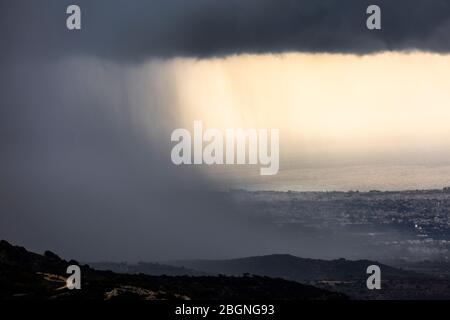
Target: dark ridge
{"points": [[27, 275]]}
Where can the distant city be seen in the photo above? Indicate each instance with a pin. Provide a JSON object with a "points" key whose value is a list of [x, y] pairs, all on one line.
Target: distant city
{"points": [[409, 225]]}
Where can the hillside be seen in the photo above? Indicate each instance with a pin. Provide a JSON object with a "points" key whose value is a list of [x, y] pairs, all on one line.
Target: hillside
{"points": [[345, 276], [294, 268], [27, 275]]}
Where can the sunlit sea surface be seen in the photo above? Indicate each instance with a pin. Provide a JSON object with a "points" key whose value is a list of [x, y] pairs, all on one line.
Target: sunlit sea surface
{"points": [[362, 178]]}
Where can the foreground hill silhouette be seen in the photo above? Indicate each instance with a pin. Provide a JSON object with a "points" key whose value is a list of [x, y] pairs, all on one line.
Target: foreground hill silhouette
{"points": [[346, 276], [27, 275]]}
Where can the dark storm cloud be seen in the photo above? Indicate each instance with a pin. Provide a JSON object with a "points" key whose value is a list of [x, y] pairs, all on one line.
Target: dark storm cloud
{"points": [[139, 29]]}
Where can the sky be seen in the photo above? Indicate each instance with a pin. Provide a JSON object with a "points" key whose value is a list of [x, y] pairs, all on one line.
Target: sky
{"points": [[86, 116], [324, 102]]}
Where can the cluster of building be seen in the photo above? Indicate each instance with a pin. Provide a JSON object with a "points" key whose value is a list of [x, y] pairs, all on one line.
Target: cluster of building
{"points": [[415, 222]]}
